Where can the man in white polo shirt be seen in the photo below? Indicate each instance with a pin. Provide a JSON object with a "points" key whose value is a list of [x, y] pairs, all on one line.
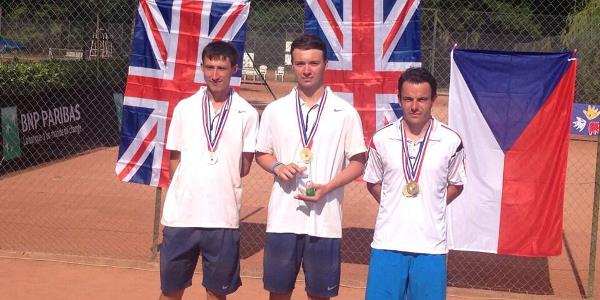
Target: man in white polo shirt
{"points": [[415, 169], [312, 141], [212, 138]]}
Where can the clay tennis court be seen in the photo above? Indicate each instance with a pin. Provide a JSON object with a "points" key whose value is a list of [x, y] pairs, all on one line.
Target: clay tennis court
{"points": [[70, 230]]}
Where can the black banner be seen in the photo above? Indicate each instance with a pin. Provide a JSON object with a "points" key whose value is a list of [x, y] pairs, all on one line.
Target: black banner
{"points": [[54, 125]]}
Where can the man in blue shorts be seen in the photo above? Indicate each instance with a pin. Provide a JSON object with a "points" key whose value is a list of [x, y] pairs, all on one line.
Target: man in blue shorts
{"points": [[312, 141], [415, 169], [212, 136]]}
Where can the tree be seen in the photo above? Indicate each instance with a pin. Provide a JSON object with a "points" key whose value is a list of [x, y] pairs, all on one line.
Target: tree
{"points": [[582, 34], [488, 16], [47, 24]]}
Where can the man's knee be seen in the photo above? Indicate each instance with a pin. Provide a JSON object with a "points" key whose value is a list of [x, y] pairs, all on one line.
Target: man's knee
{"points": [[212, 296], [177, 295]]}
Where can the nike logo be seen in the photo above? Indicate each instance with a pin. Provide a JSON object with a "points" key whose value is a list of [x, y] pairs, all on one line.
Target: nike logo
{"points": [[225, 287], [329, 288]]}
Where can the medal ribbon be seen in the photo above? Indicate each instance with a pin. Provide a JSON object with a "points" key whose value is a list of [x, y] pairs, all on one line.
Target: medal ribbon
{"points": [[306, 136], [213, 141], [412, 171]]}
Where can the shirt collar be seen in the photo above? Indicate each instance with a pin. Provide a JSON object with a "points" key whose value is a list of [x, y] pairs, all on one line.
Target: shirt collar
{"points": [[434, 136], [303, 103]]}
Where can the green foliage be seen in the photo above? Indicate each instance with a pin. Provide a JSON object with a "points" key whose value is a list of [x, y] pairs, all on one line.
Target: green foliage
{"points": [[76, 11], [265, 12], [583, 35], [22, 79], [61, 24], [489, 16], [511, 18]]}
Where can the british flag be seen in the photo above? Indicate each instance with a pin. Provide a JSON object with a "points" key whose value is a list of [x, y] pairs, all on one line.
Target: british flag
{"points": [[165, 68], [369, 43]]}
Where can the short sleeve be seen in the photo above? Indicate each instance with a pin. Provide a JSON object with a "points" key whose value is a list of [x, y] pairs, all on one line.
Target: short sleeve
{"points": [[174, 136], [250, 130], [264, 141], [456, 169], [355, 140], [374, 168]]}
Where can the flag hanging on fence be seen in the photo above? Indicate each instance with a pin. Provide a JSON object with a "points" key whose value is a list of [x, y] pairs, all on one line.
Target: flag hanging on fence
{"points": [[513, 112], [165, 68], [369, 43]]}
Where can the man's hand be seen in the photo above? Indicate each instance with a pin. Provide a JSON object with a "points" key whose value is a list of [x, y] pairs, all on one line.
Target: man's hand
{"points": [[320, 191], [289, 171]]}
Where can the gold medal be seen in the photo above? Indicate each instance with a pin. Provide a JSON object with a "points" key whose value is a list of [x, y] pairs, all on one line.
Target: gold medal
{"points": [[405, 191], [306, 155], [411, 189]]}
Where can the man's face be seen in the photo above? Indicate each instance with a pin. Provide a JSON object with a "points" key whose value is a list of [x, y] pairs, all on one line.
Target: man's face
{"points": [[308, 66], [217, 74], [416, 100]]}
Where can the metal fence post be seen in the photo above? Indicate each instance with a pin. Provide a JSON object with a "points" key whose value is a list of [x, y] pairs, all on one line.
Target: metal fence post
{"points": [[155, 231], [435, 21], [594, 235]]}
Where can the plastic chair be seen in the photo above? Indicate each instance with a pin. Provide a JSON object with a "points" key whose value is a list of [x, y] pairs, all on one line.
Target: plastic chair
{"points": [[280, 72], [263, 71]]}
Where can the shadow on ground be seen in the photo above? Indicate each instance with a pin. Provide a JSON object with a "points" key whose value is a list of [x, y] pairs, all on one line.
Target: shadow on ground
{"points": [[528, 275]]}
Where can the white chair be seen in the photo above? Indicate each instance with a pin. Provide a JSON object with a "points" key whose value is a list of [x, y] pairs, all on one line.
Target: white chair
{"points": [[249, 72], [280, 72], [248, 60], [248, 66], [263, 71]]}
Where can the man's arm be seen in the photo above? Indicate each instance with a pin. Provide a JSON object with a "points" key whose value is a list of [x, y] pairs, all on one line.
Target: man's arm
{"points": [[174, 160], [247, 158], [285, 172], [375, 190], [354, 169], [453, 192]]}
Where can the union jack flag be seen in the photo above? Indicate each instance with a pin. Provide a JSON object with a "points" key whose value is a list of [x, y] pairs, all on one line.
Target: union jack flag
{"points": [[369, 43], [165, 68]]}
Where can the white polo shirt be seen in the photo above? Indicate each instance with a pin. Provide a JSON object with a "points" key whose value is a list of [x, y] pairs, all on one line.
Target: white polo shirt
{"points": [[414, 224], [201, 194], [339, 136]]}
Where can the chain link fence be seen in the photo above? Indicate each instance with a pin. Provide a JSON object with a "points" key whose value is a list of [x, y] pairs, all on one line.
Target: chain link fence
{"points": [[62, 74]]}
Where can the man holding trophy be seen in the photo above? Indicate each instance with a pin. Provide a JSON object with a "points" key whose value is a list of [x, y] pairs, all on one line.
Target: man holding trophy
{"points": [[312, 141]]}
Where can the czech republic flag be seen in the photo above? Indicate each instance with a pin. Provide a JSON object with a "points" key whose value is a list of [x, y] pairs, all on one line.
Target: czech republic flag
{"points": [[513, 112]]}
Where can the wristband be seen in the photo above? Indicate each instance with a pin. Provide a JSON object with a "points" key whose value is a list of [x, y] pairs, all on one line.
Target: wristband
{"points": [[275, 165]]}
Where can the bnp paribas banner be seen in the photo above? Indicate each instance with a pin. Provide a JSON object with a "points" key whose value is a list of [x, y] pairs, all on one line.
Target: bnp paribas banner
{"points": [[54, 126], [50, 123], [11, 143]]}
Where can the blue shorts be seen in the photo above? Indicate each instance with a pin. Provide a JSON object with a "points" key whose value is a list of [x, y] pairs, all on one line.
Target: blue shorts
{"points": [[220, 249], [394, 275], [319, 257]]}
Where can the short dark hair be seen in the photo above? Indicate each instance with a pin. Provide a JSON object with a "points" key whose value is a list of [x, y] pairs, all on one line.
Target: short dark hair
{"points": [[308, 42], [417, 75], [220, 50]]}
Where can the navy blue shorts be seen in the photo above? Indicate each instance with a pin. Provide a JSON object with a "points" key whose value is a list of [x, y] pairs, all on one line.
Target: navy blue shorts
{"points": [[319, 257], [179, 252]]}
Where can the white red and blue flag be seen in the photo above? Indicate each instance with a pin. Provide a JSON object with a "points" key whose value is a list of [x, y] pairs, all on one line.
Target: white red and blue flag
{"points": [[165, 67], [369, 43], [513, 112]]}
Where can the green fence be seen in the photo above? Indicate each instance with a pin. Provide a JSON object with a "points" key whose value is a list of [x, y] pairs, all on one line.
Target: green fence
{"points": [[61, 94]]}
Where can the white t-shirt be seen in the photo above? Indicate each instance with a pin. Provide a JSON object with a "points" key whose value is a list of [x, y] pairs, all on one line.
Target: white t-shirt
{"points": [[201, 194], [339, 136], [414, 224]]}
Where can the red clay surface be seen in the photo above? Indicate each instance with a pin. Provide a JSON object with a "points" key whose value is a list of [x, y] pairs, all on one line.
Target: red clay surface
{"points": [[76, 211]]}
